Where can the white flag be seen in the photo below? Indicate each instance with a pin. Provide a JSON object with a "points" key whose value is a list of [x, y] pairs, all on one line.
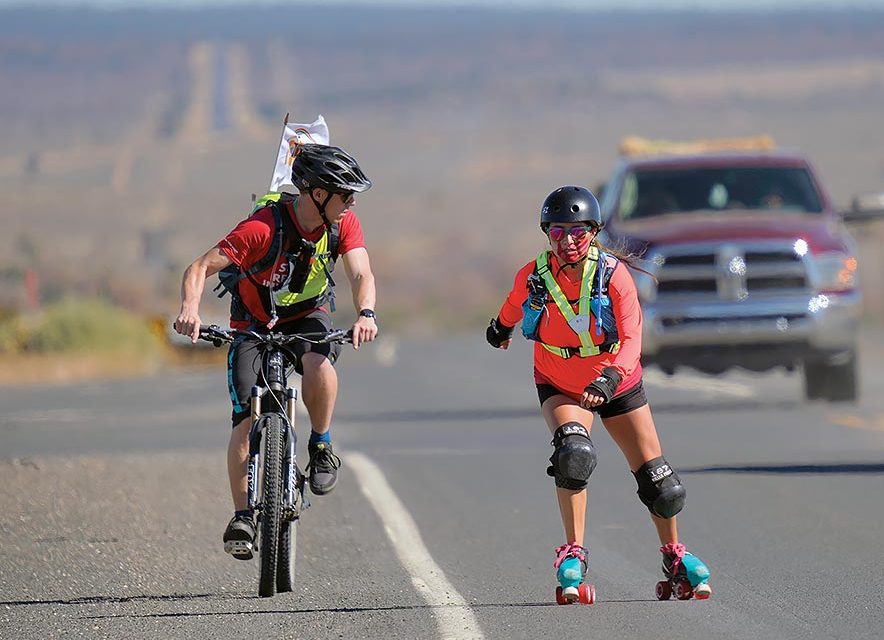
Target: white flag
{"points": [[293, 136]]}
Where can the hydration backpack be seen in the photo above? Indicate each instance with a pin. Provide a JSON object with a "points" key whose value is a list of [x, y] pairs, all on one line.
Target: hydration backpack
{"points": [[287, 243], [600, 303]]}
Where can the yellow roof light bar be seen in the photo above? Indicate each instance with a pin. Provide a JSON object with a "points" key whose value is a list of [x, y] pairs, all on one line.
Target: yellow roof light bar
{"points": [[637, 146]]}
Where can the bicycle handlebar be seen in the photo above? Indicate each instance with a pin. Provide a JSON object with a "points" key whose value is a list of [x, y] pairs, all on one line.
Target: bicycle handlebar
{"points": [[216, 335]]}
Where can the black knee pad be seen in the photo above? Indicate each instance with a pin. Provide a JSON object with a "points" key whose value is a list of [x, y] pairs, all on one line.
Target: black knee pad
{"points": [[659, 488], [574, 457]]}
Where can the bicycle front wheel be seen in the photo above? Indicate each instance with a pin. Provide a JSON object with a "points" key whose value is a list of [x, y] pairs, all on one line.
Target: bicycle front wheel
{"points": [[285, 569], [271, 502]]}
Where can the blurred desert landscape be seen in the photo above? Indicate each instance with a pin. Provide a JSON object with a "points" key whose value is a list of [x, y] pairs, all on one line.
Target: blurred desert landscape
{"points": [[133, 139]]}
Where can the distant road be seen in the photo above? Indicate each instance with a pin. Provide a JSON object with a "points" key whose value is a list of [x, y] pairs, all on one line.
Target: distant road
{"points": [[221, 117], [444, 522]]}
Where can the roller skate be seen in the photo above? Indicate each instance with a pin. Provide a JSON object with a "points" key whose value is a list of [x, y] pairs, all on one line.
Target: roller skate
{"points": [[571, 568], [686, 575]]}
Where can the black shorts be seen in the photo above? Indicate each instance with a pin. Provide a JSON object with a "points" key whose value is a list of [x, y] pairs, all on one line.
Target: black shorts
{"points": [[244, 359], [630, 400]]}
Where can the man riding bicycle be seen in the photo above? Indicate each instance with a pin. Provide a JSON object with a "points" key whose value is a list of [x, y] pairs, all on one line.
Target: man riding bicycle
{"points": [[277, 265]]}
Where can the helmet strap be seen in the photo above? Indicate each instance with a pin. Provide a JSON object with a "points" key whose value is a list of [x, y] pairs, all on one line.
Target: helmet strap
{"points": [[570, 264], [321, 208]]}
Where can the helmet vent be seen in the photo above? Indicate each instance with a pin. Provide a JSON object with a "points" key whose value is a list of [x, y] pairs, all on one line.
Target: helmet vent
{"points": [[575, 208]]}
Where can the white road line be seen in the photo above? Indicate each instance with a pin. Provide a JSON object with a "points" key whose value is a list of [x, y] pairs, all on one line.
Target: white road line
{"points": [[454, 617]]}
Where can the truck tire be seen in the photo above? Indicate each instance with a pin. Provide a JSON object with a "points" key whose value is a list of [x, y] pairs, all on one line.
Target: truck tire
{"points": [[835, 382]]}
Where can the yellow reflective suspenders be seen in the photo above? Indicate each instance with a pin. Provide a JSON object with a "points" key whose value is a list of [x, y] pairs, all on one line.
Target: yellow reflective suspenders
{"points": [[580, 321]]}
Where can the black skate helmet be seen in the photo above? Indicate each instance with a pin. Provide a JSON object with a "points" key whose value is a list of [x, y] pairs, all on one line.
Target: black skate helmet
{"points": [[570, 204], [329, 168]]}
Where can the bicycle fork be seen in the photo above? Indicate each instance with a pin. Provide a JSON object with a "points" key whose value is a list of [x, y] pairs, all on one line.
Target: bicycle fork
{"points": [[257, 393], [295, 498]]}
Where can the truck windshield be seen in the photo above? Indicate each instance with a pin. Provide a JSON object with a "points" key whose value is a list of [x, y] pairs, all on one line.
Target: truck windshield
{"points": [[649, 193]]}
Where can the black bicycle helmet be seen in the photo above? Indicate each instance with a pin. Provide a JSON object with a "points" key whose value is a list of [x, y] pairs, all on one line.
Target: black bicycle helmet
{"points": [[330, 168], [570, 204]]}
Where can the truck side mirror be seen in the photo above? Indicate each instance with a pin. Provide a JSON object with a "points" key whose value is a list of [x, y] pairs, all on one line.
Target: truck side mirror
{"points": [[864, 208]]}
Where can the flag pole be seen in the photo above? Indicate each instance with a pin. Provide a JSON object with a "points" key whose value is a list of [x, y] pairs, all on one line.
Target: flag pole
{"points": [[285, 123]]}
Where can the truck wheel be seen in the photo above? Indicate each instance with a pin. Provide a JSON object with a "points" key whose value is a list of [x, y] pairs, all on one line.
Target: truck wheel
{"points": [[837, 382]]}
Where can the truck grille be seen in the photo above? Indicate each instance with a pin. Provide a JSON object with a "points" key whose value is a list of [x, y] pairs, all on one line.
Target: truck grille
{"points": [[730, 271]]}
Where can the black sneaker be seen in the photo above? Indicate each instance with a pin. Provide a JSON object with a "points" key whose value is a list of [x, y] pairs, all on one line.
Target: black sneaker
{"points": [[323, 467], [239, 538]]}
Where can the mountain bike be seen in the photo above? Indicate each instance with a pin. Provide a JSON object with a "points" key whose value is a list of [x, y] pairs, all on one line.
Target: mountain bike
{"points": [[276, 485]]}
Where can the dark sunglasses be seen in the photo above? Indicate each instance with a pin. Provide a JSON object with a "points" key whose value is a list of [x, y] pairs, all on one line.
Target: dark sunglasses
{"points": [[557, 233], [347, 196]]}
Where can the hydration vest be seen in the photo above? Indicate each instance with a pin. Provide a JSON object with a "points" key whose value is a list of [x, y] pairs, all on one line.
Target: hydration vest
{"points": [[309, 283], [594, 298]]}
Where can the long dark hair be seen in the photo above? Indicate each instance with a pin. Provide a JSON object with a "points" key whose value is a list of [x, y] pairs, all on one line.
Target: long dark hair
{"points": [[623, 253]]}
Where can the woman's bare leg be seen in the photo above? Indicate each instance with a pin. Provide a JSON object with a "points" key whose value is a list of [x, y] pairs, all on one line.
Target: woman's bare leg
{"points": [[559, 410], [636, 435]]}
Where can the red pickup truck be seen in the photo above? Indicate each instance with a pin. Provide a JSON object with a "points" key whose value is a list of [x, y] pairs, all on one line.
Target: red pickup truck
{"points": [[752, 265]]}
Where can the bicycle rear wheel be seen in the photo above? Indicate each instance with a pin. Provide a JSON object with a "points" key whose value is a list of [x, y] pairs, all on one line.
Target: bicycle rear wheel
{"points": [[271, 503]]}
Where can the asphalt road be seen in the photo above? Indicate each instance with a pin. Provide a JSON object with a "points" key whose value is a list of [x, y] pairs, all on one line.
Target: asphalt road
{"points": [[444, 522]]}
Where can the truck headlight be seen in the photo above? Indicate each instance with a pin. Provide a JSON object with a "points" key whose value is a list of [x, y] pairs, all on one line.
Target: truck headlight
{"points": [[833, 271]]}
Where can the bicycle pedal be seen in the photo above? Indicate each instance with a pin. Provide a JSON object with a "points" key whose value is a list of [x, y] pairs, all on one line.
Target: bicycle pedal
{"points": [[240, 549]]}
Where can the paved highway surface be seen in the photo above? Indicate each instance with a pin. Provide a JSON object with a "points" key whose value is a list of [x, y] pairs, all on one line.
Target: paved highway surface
{"points": [[444, 522]]}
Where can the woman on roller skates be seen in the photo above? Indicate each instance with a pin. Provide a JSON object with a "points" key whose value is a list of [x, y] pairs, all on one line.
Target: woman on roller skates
{"points": [[577, 300]]}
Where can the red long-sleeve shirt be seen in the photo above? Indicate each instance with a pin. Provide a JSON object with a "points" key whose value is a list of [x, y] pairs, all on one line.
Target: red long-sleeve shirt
{"points": [[571, 375]]}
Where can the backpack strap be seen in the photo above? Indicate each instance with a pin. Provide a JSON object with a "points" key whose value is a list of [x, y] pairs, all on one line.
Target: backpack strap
{"points": [[274, 252], [600, 284], [330, 257], [579, 322], [334, 239], [601, 301], [285, 224], [289, 240], [285, 238], [291, 234], [230, 277], [597, 287]]}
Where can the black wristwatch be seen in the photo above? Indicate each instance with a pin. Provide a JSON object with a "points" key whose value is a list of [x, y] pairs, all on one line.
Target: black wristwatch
{"points": [[368, 313]]}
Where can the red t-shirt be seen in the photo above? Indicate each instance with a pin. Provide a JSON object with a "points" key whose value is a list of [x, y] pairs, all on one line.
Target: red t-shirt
{"points": [[250, 241], [571, 375]]}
